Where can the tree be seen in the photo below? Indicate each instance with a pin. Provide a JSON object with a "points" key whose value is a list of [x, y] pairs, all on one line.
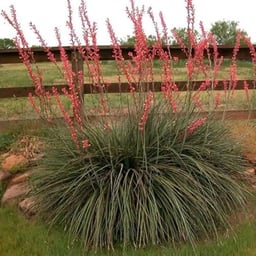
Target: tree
{"points": [[225, 32], [130, 40], [183, 35], [7, 43]]}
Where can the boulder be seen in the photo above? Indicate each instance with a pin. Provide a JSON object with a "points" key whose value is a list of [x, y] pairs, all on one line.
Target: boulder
{"points": [[14, 163], [26, 207], [14, 192], [4, 175], [250, 171], [19, 178]]}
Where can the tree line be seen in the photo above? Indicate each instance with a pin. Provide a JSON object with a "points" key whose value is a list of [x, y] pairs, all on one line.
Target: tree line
{"points": [[223, 31]]}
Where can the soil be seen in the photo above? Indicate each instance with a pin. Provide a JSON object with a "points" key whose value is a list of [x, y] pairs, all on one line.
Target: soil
{"points": [[245, 133]]}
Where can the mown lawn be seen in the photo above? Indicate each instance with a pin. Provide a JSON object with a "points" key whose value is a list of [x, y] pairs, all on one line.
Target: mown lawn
{"points": [[22, 237], [51, 75]]}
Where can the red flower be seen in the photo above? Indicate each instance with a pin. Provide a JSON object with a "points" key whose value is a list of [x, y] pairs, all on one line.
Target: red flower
{"points": [[195, 125], [85, 144]]}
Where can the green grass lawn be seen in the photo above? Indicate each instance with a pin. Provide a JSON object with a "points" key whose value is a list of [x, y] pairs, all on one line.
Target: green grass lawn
{"points": [[20, 108], [22, 237], [109, 70]]}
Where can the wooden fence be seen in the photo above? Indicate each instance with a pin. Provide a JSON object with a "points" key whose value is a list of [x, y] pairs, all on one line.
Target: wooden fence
{"points": [[8, 56]]}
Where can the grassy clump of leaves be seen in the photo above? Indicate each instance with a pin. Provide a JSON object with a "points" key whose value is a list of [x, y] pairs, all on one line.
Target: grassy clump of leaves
{"points": [[138, 188]]}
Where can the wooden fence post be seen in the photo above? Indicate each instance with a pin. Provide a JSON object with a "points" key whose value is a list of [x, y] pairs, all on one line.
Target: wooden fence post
{"points": [[78, 69]]}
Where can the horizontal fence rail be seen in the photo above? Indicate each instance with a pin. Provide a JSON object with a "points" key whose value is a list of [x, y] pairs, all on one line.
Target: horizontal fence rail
{"points": [[9, 56], [106, 53], [16, 92]]}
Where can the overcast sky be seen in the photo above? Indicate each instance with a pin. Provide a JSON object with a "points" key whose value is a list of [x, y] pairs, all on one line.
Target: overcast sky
{"points": [[47, 14]]}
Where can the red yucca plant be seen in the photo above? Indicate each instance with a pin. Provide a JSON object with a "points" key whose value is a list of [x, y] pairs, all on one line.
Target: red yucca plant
{"points": [[158, 172]]}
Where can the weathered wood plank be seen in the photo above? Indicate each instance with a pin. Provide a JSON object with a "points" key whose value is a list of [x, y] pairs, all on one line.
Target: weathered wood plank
{"points": [[106, 52], [114, 88]]}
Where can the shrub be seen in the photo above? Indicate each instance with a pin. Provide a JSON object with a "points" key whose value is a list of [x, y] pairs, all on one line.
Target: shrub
{"points": [[159, 185]]}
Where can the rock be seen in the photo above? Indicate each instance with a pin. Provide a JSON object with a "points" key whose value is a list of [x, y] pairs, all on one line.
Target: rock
{"points": [[26, 207], [19, 178], [251, 157], [4, 155], [250, 176], [4, 175], [250, 171], [14, 192], [14, 163]]}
